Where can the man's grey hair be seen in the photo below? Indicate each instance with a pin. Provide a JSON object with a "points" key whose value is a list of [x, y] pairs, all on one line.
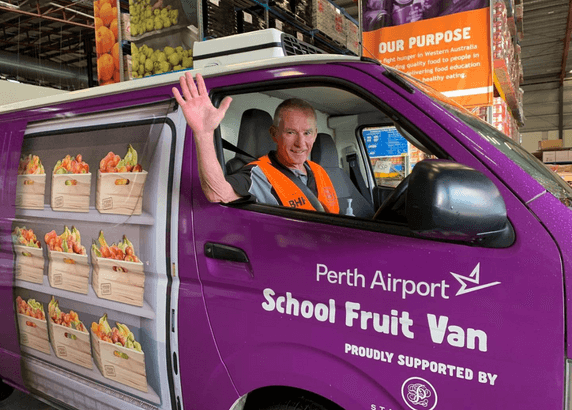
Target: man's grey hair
{"points": [[293, 103]]}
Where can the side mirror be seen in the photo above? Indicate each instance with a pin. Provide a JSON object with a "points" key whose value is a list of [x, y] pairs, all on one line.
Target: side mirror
{"points": [[449, 201]]}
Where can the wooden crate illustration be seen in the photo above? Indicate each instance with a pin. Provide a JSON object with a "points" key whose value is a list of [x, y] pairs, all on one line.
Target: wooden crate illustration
{"points": [[118, 280], [126, 366], [70, 192], [34, 333], [120, 192], [29, 264], [68, 271], [30, 191], [70, 344]]}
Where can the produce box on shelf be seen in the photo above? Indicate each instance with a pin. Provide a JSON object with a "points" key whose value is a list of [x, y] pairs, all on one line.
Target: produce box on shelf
{"points": [[120, 192], [31, 183], [69, 338], [34, 333], [120, 184], [70, 192], [30, 191], [68, 271], [29, 264], [68, 267], [118, 280], [32, 325], [116, 361], [117, 273]]}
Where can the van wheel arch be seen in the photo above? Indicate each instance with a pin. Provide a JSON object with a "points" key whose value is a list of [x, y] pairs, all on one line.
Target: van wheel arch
{"points": [[287, 398]]}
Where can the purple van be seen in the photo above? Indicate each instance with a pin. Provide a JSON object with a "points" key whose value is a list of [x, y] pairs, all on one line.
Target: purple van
{"points": [[441, 285]]}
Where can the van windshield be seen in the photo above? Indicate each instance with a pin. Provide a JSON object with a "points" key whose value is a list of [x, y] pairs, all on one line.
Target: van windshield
{"points": [[528, 162]]}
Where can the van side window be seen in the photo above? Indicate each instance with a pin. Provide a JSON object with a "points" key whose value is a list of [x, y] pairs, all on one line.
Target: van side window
{"points": [[362, 151]]}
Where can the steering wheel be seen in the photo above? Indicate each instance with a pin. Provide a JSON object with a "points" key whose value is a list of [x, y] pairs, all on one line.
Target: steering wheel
{"points": [[394, 201]]}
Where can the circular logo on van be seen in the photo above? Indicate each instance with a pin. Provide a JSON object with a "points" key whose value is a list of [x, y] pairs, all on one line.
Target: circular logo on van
{"points": [[419, 394]]}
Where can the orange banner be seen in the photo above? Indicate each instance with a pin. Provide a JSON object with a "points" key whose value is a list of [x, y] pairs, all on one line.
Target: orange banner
{"points": [[451, 53]]}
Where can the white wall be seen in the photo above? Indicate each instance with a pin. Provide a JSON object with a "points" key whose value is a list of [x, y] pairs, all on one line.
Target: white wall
{"points": [[14, 92], [530, 139]]}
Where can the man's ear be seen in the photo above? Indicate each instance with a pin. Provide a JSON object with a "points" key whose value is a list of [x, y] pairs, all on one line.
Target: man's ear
{"points": [[272, 131]]}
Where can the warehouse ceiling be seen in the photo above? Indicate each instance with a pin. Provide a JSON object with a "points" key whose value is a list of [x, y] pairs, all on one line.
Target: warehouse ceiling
{"points": [[52, 43]]}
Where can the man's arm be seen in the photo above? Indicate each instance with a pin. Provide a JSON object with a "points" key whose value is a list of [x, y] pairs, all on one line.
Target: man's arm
{"points": [[204, 118]]}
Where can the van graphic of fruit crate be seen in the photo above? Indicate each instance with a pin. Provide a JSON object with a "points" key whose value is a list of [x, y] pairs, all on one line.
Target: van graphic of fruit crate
{"points": [[120, 192], [118, 280], [29, 264], [70, 344], [30, 191], [70, 192], [34, 333], [118, 363], [68, 271]]}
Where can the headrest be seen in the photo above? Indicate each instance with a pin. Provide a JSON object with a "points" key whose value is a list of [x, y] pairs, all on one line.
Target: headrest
{"points": [[254, 133], [324, 151]]}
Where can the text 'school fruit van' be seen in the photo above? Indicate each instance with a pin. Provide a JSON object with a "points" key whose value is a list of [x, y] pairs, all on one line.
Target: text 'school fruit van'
{"points": [[441, 284]]}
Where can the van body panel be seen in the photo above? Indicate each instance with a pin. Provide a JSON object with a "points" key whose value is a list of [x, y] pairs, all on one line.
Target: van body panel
{"points": [[12, 135], [358, 313], [204, 378], [556, 217], [488, 328]]}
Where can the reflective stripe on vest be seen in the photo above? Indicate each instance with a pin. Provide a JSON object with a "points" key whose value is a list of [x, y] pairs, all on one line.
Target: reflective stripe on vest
{"points": [[292, 196]]}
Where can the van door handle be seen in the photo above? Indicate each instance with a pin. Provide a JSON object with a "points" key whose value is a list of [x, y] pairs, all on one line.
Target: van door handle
{"points": [[225, 252]]}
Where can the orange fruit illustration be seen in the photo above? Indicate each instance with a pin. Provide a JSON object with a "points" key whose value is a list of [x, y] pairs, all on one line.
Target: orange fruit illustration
{"points": [[110, 2], [115, 55], [116, 77], [113, 28], [98, 23], [96, 8], [104, 40], [106, 14], [105, 67]]}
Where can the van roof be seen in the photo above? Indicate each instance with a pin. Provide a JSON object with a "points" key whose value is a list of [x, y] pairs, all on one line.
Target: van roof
{"points": [[173, 77]]}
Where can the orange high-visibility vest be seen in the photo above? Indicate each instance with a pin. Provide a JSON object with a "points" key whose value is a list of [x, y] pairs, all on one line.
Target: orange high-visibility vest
{"points": [[292, 196]]}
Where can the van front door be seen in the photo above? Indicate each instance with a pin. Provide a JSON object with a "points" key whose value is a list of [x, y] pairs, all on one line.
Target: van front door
{"points": [[365, 313]]}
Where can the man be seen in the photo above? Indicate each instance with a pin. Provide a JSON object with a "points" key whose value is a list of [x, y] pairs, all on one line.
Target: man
{"points": [[284, 177]]}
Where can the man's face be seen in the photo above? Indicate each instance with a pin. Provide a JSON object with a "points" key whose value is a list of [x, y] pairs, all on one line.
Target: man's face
{"points": [[294, 137]]}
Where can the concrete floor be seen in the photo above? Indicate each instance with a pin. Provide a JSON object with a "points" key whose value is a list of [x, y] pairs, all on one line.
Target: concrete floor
{"points": [[21, 401]]}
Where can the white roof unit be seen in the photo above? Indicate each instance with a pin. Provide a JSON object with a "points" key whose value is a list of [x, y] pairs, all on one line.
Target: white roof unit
{"points": [[256, 45]]}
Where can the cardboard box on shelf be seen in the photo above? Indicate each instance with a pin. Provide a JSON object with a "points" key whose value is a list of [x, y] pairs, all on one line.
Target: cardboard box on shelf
{"points": [[118, 280], [126, 366], [70, 192], [34, 333], [68, 271], [549, 156], [547, 144], [120, 192], [70, 344], [29, 264], [30, 190], [562, 156]]}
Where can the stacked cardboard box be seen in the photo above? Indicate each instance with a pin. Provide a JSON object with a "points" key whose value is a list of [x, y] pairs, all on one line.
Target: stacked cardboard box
{"points": [[503, 119], [352, 36], [328, 19], [219, 18]]}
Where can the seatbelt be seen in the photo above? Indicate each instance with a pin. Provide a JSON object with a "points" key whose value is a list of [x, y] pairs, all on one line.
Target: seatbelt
{"points": [[304, 188], [231, 147], [355, 174]]}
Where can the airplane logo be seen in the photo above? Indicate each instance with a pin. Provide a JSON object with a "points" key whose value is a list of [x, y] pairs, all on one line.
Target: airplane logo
{"points": [[474, 279]]}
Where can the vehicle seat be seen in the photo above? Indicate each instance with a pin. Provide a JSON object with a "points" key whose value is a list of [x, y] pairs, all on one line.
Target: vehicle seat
{"points": [[324, 152], [253, 138]]}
